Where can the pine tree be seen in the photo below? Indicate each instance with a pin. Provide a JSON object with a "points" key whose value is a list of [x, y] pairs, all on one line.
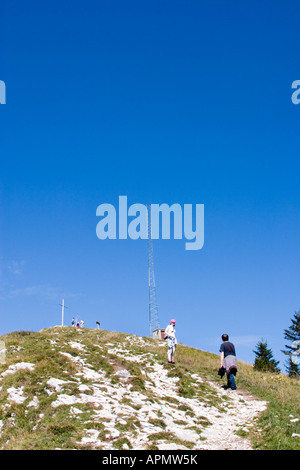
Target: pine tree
{"points": [[264, 358], [292, 334]]}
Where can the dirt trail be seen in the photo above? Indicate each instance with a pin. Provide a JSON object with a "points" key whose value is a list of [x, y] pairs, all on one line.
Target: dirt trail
{"points": [[243, 409], [157, 415], [235, 410]]}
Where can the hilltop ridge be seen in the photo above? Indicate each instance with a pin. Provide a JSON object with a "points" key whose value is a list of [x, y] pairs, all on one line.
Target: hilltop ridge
{"points": [[70, 388]]}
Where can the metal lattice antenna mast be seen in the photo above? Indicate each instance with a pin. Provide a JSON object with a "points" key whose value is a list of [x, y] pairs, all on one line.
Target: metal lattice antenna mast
{"points": [[153, 307]]}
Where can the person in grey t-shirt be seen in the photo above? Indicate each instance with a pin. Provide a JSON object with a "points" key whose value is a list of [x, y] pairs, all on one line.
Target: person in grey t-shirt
{"points": [[228, 361]]}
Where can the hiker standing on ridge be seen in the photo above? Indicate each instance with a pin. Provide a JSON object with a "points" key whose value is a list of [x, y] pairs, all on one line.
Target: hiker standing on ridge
{"points": [[170, 336], [228, 361]]}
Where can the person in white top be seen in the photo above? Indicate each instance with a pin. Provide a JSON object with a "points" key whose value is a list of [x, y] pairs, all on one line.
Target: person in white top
{"points": [[170, 335]]}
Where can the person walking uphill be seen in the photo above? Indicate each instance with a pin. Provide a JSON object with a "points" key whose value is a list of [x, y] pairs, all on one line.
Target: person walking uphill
{"points": [[228, 361], [170, 336]]}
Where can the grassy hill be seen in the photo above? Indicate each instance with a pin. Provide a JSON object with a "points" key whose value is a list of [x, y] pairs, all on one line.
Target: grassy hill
{"points": [[70, 388]]}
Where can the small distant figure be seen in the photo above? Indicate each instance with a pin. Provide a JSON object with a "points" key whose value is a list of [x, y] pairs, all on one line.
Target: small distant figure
{"points": [[170, 336], [228, 361], [98, 325], [81, 323], [73, 321], [77, 324]]}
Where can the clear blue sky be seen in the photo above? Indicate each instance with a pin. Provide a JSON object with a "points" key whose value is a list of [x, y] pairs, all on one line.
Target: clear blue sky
{"points": [[162, 101]]}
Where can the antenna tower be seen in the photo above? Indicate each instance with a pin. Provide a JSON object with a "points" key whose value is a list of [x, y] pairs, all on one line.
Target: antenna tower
{"points": [[153, 307]]}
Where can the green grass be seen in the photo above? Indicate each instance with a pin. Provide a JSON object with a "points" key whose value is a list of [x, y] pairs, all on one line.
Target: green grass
{"points": [[50, 428], [281, 392], [283, 396], [167, 438]]}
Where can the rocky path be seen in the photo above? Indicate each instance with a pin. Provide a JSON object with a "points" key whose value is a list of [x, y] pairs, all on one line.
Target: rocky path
{"points": [[156, 416], [242, 411], [178, 422]]}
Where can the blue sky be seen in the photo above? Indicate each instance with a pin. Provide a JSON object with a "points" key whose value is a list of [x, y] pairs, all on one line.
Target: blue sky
{"points": [[165, 102]]}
